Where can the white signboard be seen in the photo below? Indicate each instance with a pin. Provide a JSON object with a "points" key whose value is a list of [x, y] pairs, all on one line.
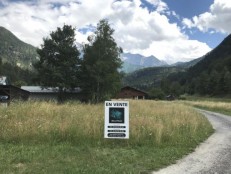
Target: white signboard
{"points": [[116, 119]]}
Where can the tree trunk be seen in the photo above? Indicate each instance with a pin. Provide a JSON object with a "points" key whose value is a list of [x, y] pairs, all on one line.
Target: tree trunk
{"points": [[61, 95]]}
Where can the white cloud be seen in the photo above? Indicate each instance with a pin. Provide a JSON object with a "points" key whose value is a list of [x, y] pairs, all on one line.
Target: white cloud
{"points": [[123, 11], [34, 20], [146, 28], [153, 34], [187, 22], [136, 29], [159, 4], [177, 50], [218, 18]]}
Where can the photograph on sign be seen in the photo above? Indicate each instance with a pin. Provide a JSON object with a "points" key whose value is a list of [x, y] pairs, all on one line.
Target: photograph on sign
{"points": [[116, 115]]}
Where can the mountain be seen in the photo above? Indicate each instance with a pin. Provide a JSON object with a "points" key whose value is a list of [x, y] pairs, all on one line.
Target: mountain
{"points": [[151, 77], [132, 62], [188, 64], [128, 67], [15, 51], [148, 78], [217, 59], [211, 75]]}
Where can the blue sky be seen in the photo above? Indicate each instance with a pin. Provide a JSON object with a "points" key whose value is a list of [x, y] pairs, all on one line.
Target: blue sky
{"points": [[189, 9], [171, 30]]}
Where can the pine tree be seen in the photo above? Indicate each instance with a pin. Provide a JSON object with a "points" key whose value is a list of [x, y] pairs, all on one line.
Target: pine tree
{"points": [[59, 60], [203, 83], [213, 82], [227, 79]]}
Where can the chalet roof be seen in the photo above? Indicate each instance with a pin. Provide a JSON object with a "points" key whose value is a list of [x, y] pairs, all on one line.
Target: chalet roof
{"points": [[40, 89], [132, 88]]}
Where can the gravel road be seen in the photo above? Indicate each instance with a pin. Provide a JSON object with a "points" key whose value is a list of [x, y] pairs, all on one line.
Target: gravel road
{"points": [[212, 156]]}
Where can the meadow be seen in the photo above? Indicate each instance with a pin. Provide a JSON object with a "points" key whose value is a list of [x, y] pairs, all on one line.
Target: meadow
{"points": [[219, 105], [43, 137]]}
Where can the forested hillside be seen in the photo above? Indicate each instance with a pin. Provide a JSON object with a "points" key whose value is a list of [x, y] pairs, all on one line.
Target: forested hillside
{"points": [[16, 59], [188, 64], [148, 78], [14, 51], [208, 75], [17, 75], [211, 76]]}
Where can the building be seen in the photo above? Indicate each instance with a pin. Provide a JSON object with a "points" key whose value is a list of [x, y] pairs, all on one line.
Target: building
{"points": [[128, 92], [42, 93], [10, 93]]}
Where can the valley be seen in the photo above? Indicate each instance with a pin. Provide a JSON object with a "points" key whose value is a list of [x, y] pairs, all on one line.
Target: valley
{"points": [[208, 75]]}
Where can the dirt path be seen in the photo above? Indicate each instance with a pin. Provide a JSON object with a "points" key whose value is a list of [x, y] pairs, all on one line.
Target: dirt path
{"points": [[211, 157]]}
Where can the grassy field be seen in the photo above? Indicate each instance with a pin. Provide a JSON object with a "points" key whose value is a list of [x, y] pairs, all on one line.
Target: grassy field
{"points": [[220, 106], [43, 137]]}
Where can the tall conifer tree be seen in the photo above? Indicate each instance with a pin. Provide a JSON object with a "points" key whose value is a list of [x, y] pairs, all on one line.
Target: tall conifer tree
{"points": [[58, 65]]}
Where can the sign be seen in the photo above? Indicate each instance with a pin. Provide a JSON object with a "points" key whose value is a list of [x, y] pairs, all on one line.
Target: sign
{"points": [[116, 119]]}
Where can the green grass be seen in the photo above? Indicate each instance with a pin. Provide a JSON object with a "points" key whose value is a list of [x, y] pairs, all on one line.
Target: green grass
{"points": [[215, 109], [66, 158], [42, 137], [199, 98], [215, 104]]}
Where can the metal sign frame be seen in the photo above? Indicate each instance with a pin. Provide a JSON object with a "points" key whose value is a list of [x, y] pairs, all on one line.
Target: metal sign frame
{"points": [[116, 119]]}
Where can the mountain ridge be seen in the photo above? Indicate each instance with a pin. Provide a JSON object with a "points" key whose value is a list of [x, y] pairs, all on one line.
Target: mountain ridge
{"points": [[189, 63], [211, 76], [217, 55], [207, 75], [132, 62]]}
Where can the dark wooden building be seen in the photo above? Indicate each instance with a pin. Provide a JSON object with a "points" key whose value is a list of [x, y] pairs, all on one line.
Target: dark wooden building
{"points": [[128, 92], [10, 92]]}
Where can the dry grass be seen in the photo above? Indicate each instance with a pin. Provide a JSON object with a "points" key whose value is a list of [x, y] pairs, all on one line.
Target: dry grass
{"points": [[166, 122], [212, 104], [217, 106], [43, 137], [47, 121], [151, 122]]}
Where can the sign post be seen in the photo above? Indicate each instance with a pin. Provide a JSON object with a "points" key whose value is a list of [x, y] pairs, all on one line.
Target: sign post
{"points": [[116, 119]]}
